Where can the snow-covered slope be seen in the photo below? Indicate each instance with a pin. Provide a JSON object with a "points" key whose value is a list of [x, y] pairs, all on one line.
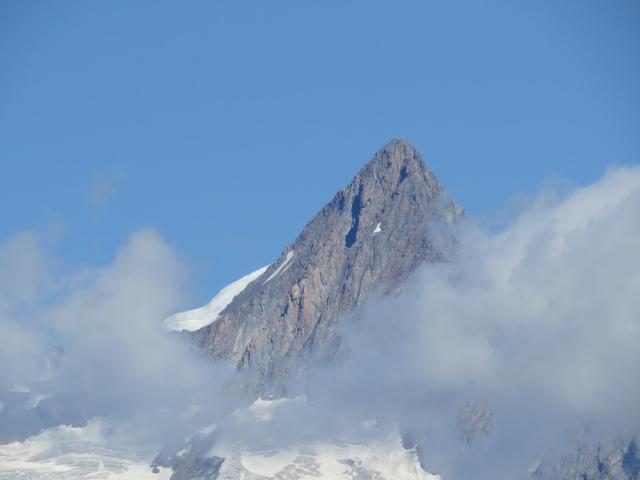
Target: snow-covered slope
{"points": [[64, 453], [384, 458], [243, 447], [195, 319]]}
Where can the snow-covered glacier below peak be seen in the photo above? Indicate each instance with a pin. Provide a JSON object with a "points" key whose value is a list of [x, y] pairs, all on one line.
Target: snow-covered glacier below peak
{"points": [[382, 458], [192, 320], [253, 443], [78, 453]]}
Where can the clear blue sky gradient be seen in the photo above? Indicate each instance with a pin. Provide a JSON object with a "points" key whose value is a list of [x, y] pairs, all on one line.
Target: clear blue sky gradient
{"points": [[226, 125]]}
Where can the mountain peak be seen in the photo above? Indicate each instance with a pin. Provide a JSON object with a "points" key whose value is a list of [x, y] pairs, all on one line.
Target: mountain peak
{"points": [[398, 145], [393, 164], [396, 153], [370, 237]]}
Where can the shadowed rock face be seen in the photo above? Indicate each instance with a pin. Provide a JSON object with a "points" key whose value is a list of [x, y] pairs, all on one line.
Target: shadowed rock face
{"points": [[617, 459], [371, 236]]}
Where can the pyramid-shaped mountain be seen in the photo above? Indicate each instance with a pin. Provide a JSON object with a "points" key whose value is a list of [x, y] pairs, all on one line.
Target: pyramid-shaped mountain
{"points": [[370, 237]]}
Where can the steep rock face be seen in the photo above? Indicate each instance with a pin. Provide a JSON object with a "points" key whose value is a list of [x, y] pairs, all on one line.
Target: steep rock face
{"points": [[370, 237]]}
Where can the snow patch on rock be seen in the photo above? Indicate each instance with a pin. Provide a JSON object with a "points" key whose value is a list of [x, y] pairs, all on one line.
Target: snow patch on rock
{"points": [[282, 268], [198, 318]]}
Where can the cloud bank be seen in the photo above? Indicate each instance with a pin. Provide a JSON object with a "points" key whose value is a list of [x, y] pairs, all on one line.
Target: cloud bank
{"points": [[90, 342], [539, 324], [537, 327]]}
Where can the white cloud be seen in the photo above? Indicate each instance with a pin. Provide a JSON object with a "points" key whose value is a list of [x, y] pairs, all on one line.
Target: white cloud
{"points": [[540, 323], [116, 357]]}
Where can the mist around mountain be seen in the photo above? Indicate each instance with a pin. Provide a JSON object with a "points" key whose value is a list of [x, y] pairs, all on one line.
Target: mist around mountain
{"points": [[409, 342]]}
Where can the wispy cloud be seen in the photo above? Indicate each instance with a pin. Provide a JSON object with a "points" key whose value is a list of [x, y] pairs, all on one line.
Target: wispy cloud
{"points": [[100, 193]]}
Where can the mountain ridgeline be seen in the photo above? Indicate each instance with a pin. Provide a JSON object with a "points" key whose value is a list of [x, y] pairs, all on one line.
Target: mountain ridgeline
{"points": [[369, 238]]}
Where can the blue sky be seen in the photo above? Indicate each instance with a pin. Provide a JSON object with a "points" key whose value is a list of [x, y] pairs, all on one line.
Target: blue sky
{"points": [[226, 125]]}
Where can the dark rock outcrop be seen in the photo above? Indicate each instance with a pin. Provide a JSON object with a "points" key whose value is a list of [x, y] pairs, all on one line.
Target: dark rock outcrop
{"points": [[592, 456]]}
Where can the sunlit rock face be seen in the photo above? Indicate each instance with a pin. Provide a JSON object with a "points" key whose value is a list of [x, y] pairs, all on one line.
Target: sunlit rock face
{"points": [[370, 237]]}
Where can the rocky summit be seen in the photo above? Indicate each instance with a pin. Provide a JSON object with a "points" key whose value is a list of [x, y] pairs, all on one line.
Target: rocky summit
{"points": [[369, 238]]}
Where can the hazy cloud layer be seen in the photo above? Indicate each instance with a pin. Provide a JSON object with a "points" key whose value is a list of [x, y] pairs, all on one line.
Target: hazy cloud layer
{"points": [[92, 342], [25, 278], [540, 323]]}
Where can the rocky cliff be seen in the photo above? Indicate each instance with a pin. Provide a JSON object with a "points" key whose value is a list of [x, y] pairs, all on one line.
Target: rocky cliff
{"points": [[370, 237]]}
